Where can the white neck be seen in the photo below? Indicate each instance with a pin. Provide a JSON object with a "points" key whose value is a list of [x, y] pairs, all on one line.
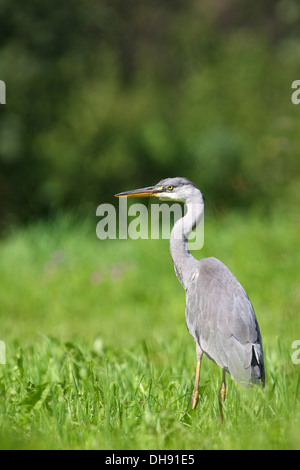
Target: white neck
{"points": [[183, 260]]}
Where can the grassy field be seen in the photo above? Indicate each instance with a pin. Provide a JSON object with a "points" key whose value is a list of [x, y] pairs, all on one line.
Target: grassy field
{"points": [[98, 355]]}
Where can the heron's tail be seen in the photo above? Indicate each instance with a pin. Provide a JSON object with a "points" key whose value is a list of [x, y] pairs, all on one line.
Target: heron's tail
{"points": [[257, 365]]}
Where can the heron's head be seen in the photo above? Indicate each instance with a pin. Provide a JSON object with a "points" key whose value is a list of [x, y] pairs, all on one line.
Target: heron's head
{"points": [[169, 189]]}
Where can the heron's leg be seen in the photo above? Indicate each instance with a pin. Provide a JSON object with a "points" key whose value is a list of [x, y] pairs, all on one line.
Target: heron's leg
{"points": [[195, 396], [222, 395]]}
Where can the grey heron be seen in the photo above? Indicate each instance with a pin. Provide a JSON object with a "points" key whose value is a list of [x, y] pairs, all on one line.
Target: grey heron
{"points": [[219, 314]]}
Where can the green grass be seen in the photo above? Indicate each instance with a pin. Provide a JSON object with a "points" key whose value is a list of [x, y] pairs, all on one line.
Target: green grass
{"points": [[98, 354]]}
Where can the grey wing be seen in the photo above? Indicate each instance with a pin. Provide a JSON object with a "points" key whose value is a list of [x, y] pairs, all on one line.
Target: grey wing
{"points": [[221, 319]]}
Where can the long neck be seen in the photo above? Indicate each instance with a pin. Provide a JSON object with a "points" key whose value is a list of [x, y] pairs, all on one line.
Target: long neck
{"points": [[183, 260]]}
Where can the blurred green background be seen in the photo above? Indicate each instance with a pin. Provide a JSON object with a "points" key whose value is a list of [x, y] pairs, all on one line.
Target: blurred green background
{"points": [[105, 96], [108, 95]]}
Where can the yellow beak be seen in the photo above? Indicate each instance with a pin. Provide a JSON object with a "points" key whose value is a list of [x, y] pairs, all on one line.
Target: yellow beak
{"points": [[142, 192]]}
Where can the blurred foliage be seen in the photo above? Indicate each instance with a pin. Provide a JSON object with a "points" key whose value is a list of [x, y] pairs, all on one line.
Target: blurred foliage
{"points": [[107, 95]]}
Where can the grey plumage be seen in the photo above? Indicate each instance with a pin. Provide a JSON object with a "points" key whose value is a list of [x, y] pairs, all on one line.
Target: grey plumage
{"points": [[225, 325], [219, 314]]}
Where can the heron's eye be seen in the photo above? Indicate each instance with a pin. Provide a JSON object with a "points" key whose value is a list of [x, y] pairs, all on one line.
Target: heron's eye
{"points": [[170, 188]]}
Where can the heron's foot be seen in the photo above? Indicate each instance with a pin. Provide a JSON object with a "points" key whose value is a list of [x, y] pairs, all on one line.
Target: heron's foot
{"points": [[194, 399]]}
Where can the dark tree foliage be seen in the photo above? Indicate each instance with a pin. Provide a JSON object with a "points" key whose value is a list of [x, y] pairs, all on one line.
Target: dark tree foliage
{"points": [[107, 95]]}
